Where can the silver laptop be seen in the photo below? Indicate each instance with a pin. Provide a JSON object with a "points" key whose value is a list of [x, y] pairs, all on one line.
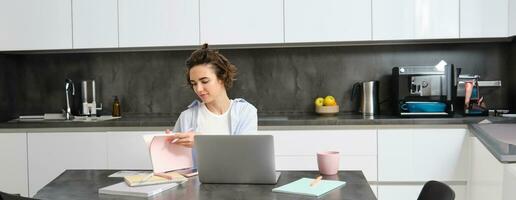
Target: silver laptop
{"points": [[243, 159]]}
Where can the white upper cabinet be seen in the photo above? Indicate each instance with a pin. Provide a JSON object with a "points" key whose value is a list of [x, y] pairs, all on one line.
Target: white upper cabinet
{"points": [[437, 19], [512, 17], [35, 24], [327, 20], [90, 24], [415, 19], [483, 18], [95, 23], [393, 19], [158, 23], [241, 21]]}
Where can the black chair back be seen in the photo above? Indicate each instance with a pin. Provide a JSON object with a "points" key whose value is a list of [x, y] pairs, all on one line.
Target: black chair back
{"points": [[435, 190], [6, 196]]}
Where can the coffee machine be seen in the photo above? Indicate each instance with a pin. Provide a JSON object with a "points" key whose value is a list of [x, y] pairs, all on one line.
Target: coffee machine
{"points": [[425, 91]]}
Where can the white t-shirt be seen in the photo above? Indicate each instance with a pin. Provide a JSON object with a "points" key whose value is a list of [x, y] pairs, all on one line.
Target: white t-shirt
{"points": [[212, 124]]}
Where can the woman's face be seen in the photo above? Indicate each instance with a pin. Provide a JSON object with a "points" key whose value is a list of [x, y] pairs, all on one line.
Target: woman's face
{"points": [[205, 83]]}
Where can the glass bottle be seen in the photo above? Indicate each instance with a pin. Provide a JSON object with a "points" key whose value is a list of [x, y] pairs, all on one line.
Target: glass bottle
{"points": [[116, 108]]}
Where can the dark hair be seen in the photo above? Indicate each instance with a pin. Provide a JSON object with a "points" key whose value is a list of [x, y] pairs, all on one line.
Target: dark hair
{"points": [[224, 70]]}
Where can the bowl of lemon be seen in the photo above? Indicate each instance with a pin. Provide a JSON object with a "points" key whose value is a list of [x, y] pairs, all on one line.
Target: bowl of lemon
{"points": [[326, 106]]}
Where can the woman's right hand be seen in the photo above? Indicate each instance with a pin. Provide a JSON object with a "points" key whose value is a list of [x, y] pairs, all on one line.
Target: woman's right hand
{"points": [[185, 139]]}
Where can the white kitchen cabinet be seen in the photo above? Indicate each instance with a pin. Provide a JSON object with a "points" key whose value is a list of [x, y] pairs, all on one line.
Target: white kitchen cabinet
{"points": [[422, 154], [374, 187], [13, 170], [483, 18], [95, 23], [411, 192], [488, 177], [297, 149], [158, 23], [327, 21], [415, 19], [409, 157], [127, 150], [50, 154], [509, 182], [486, 174], [512, 18], [35, 25], [396, 192], [241, 21], [393, 19], [437, 19]]}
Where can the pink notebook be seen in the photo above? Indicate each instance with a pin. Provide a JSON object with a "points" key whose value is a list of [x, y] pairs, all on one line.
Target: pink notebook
{"points": [[166, 156]]}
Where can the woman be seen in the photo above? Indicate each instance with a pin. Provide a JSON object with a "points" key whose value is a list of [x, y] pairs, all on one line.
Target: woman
{"points": [[210, 75]]}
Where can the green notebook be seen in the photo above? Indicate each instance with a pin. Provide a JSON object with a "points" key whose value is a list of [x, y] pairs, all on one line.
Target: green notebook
{"points": [[302, 186]]}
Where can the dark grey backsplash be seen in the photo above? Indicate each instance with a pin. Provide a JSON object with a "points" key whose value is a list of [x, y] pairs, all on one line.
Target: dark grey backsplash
{"points": [[273, 79], [511, 75], [7, 87]]}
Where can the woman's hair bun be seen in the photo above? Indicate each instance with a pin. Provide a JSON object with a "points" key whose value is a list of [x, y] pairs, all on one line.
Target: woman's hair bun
{"points": [[224, 70]]}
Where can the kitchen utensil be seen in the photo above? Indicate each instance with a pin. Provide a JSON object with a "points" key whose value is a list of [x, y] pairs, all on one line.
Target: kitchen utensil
{"points": [[468, 86], [421, 106], [425, 84], [367, 94], [87, 107], [328, 162], [327, 110]]}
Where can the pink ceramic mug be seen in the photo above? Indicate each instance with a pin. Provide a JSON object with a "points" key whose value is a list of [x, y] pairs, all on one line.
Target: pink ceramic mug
{"points": [[328, 162]]}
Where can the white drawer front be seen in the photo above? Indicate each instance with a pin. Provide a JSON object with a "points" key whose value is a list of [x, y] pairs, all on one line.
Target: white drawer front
{"points": [[422, 154], [299, 163], [347, 142], [50, 154], [127, 150], [411, 192]]}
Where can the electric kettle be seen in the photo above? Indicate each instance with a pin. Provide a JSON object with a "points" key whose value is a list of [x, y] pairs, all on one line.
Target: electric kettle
{"points": [[364, 95]]}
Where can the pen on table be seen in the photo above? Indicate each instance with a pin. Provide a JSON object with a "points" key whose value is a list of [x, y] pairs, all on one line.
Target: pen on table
{"points": [[146, 178], [315, 181]]}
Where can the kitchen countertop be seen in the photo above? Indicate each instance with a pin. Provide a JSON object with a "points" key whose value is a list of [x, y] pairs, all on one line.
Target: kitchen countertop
{"points": [[488, 134], [264, 120], [499, 139]]}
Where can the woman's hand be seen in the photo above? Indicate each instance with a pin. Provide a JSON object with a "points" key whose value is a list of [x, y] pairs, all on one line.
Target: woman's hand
{"points": [[184, 139]]}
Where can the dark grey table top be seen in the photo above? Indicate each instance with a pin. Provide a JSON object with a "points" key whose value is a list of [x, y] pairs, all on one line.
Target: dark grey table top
{"points": [[84, 184]]}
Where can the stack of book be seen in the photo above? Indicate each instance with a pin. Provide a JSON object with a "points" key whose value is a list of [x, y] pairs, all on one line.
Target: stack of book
{"points": [[166, 157], [153, 179], [145, 185]]}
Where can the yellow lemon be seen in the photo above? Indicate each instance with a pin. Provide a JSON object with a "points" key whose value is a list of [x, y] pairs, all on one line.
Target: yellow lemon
{"points": [[329, 101], [319, 101]]}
